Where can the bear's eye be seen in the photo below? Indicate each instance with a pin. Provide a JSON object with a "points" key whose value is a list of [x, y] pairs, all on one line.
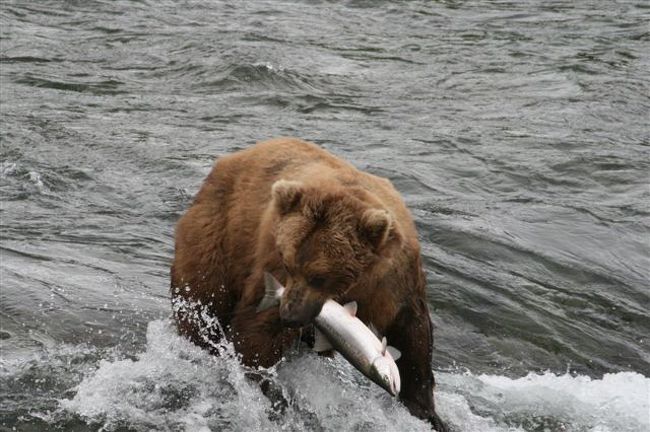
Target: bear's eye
{"points": [[317, 281]]}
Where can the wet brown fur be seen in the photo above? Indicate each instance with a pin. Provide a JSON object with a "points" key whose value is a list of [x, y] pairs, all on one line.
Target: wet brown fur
{"points": [[321, 227]]}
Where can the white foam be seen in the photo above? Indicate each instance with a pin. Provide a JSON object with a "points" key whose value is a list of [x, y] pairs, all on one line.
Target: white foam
{"points": [[7, 169], [174, 385], [618, 402], [341, 398], [13, 169], [35, 178]]}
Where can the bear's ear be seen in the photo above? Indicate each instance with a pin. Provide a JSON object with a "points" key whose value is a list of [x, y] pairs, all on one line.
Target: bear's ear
{"points": [[286, 195], [379, 229]]}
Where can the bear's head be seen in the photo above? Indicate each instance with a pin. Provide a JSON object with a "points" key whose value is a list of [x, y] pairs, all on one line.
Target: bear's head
{"points": [[327, 237]]}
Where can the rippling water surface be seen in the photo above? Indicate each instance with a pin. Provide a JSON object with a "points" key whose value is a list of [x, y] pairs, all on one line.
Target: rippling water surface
{"points": [[517, 132]]}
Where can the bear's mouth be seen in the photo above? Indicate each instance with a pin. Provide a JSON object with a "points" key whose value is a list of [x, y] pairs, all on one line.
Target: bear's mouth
{"points": [[298, 306], [299, 313]]}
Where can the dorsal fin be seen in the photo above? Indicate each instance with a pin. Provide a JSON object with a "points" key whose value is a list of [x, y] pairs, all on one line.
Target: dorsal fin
{"points": [[351, 307], [384, 344], [394, 352]]}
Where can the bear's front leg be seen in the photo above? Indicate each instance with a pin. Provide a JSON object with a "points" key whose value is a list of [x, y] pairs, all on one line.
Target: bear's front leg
{"points": [[259, 337], [260, 340], [412, 334]]}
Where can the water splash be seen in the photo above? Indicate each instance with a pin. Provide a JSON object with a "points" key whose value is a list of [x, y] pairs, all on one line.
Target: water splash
{"points": [[174, 385], [618, 402]]}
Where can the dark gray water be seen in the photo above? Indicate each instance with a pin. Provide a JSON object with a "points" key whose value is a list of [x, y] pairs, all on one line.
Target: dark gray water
{"points": [[518, 133]]}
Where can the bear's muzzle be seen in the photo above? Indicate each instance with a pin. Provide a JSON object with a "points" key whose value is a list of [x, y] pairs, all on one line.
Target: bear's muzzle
{"points": [[299, 307]]}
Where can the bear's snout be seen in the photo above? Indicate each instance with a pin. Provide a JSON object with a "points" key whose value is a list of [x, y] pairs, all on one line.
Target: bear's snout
{"points": [[299, 310]]}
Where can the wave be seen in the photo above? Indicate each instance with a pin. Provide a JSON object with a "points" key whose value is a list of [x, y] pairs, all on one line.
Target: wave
{"points": [[616, 402], [174, 385]]}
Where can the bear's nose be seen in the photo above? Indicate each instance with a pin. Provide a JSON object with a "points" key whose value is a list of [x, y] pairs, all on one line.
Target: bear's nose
{"points": [[291, 317], [298, 316], [292, 323]]}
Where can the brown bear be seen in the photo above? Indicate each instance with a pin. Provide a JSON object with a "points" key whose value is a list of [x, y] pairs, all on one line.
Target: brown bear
{"points": [[325, 230]]}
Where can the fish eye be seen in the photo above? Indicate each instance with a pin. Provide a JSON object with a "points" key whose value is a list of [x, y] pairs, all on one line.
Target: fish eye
{"points": [[316, 281]]}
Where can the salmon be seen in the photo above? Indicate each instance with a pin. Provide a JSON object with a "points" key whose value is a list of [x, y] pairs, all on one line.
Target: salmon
{"points": [[337, 327]]}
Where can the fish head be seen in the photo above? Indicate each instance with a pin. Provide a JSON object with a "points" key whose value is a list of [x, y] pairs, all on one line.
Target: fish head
{"points": [[385, 373]]}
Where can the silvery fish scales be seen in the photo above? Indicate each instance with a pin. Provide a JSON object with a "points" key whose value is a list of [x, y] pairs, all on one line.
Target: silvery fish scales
{"points": [[338, 327]]}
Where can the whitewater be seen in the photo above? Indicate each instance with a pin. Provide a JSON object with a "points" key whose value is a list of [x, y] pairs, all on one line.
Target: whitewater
{"points": [[173, 385]]}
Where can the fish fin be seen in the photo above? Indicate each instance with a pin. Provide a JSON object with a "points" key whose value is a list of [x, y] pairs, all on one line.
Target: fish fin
{"points": [[394, 352], [272, 294], [373, 329], [351, 307], [267, 302], [272, 284], [384, 344], [320, 342]]}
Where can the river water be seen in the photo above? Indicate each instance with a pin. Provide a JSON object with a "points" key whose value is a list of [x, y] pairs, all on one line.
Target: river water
{"points": [[517, 132]]}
